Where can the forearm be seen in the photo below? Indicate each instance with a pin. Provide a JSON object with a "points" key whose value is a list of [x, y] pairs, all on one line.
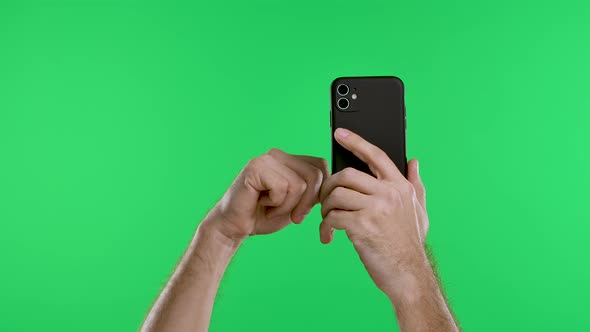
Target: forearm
{"points": [[420, 305], [186, 302]]}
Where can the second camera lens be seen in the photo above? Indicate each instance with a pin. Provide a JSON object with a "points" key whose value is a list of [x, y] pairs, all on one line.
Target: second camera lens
{"points": [[342, 89], [343, 103]]}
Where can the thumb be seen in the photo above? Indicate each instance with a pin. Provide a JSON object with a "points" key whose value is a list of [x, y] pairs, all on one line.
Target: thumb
{"points": [[416, 181]]}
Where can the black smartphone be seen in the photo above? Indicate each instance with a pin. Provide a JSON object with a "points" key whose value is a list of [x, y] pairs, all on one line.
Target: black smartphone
{"points": [[372, 107]]}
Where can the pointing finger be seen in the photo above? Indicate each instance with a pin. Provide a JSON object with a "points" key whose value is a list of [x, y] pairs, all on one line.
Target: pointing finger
{"points": [[378, 161]]}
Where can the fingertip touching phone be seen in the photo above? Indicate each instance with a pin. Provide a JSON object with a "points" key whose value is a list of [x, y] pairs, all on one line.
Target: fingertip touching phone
{"points": [[372, 107]]}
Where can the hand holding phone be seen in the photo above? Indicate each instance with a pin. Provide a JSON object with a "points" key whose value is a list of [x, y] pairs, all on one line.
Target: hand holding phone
{"points": [[373, 108]]}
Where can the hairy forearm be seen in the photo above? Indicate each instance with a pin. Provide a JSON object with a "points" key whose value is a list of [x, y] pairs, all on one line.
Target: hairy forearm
{"points": [[433, 265], [186, 302], [420, 305]]}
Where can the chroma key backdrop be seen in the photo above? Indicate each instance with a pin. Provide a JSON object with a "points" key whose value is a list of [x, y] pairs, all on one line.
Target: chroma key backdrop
{"points": [[123, 122]]}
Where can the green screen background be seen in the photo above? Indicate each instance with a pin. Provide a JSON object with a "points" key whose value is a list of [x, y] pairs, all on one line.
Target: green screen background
{"points": [[122, 123]]}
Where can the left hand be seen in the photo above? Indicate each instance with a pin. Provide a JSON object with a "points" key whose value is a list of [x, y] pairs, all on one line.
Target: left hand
{"points": [[271, 191]]}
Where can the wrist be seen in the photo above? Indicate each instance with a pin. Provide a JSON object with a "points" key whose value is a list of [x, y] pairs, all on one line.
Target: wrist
{"points": [[210, 246], [218, 225], [212, 228], [414, 277], [231, 229]]}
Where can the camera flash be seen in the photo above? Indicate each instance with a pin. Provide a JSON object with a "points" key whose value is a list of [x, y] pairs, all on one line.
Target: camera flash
{"points": [[353, 96]]}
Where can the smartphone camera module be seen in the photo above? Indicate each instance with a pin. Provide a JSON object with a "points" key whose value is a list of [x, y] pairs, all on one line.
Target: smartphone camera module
{"points": [[342, 89], [343, 103]]}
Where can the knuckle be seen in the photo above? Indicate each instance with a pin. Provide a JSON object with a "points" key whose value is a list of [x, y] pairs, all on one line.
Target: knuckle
{"points": [[337, 193], [330, 214], [347, 173], [301, 187], [375, 154], [369, 155], [282, 185], [274, 152], [254, 163], [264, 158]]}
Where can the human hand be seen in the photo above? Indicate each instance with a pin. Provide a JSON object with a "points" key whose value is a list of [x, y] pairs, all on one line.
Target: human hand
{"points": [[384, 217], [272, 191]]}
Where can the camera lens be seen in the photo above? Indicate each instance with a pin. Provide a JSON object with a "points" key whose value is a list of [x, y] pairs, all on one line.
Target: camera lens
{"points": [[342, 89], [343, 103]]}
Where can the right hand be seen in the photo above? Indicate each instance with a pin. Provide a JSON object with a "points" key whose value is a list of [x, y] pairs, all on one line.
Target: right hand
{"points": [[384, 216], [272, 191]]}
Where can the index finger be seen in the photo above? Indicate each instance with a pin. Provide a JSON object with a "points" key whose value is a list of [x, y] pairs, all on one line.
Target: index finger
{"points": [[378, 161]]}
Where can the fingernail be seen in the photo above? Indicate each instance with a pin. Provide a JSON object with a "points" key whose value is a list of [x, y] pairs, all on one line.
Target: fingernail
{"points": [[342, 133], [417, 166]]}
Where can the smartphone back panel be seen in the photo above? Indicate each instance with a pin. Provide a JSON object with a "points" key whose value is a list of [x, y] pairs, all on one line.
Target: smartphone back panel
{"points": [[376, 111]]}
